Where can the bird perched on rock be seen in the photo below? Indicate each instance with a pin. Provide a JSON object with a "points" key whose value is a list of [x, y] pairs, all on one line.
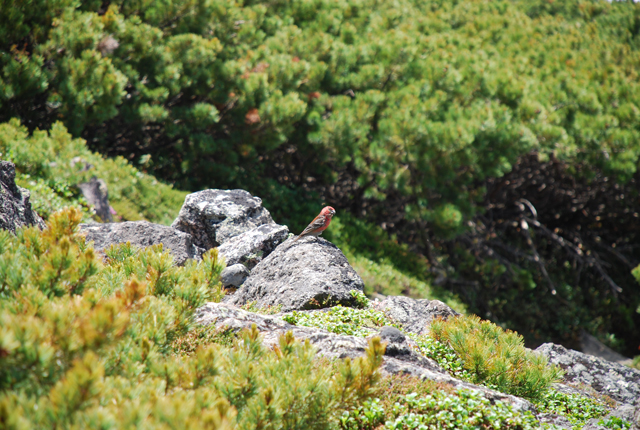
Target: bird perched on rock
{"points": [[319, 223]]}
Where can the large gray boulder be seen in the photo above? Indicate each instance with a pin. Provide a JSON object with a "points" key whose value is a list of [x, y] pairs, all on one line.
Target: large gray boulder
{"points": [[250, 247], [15, 208], [307, 274], [142, 234], [414, 315], [212, 217], [615, 380], [400, 356]]}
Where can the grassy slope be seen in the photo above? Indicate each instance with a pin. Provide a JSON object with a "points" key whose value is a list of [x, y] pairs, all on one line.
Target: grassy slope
{"points": [[51, 163]]}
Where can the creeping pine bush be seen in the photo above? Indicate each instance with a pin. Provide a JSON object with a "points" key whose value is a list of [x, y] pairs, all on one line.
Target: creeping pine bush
{"points": [[109, 345], [495, 357]]}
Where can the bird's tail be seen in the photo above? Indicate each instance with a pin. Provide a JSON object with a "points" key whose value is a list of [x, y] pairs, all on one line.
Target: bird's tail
{"points": [[296, 239]]}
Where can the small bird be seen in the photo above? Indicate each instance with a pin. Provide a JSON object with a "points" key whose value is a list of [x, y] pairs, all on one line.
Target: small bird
{"points": [[319, 223]]}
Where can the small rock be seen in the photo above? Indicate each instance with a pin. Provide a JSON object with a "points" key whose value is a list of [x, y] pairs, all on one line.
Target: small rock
{"points": [[414, 315], [252, 246], [306, 274], [15, 207], [96, 193], [234, 276], [213, 217], [142, 234], [392, 334]]}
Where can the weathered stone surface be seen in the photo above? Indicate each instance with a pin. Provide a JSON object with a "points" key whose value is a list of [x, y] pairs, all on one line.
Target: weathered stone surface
{"points": [[400, 356], [142, 234], [414, 315], [624, 412], [307, 274], [619, 382], [96, 193], [234, 276], [15, 208], [555, 421], [250, 247], [213, 217]]}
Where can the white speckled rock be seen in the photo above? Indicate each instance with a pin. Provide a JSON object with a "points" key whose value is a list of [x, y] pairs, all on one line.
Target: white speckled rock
{"points": [[142, 234], [414, 315], [615, 380], [250, 247], [15, 208], [234, 275], [308, 274], [213, 217]]}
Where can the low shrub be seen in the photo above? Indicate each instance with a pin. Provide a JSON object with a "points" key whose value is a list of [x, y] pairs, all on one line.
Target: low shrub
{"points": [[52, 163], [495, 357], [92, 344]]}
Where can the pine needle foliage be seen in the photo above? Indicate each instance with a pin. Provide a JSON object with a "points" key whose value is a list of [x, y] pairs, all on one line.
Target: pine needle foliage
{"points": [[495, 357], [87, 343]]}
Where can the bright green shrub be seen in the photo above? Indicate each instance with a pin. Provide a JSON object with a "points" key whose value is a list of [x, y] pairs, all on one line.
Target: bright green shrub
{"points": [[495, 357], [91, 344], [52, 163]]}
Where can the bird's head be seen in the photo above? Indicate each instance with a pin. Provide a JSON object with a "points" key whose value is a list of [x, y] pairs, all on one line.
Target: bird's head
{"points": [[328, 211]]}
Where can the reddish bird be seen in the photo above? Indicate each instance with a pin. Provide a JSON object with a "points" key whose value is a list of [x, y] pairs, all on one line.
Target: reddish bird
{"points": [[319, 224]]}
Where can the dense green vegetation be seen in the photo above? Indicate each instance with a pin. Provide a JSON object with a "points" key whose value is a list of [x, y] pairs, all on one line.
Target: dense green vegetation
{"points": [[110, 343], [90, 345], [415, 115], [50, 164]]}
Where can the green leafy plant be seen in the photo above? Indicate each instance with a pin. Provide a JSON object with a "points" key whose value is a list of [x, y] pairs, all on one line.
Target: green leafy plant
{"points": [[342, 320], [462, 409], [615, 423], [495, 357], [577, 408], [362, 301], [443, 354]]}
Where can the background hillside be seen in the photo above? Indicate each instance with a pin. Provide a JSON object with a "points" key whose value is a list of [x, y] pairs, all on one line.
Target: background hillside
{"points": [[483, 152]]}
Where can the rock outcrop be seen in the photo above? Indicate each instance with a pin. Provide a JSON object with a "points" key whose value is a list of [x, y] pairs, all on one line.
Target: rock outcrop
{"points": [[307, 274], [15, 208], [400, 356], [250, 247], [213, 217], [615, 380], [142, 234]]}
